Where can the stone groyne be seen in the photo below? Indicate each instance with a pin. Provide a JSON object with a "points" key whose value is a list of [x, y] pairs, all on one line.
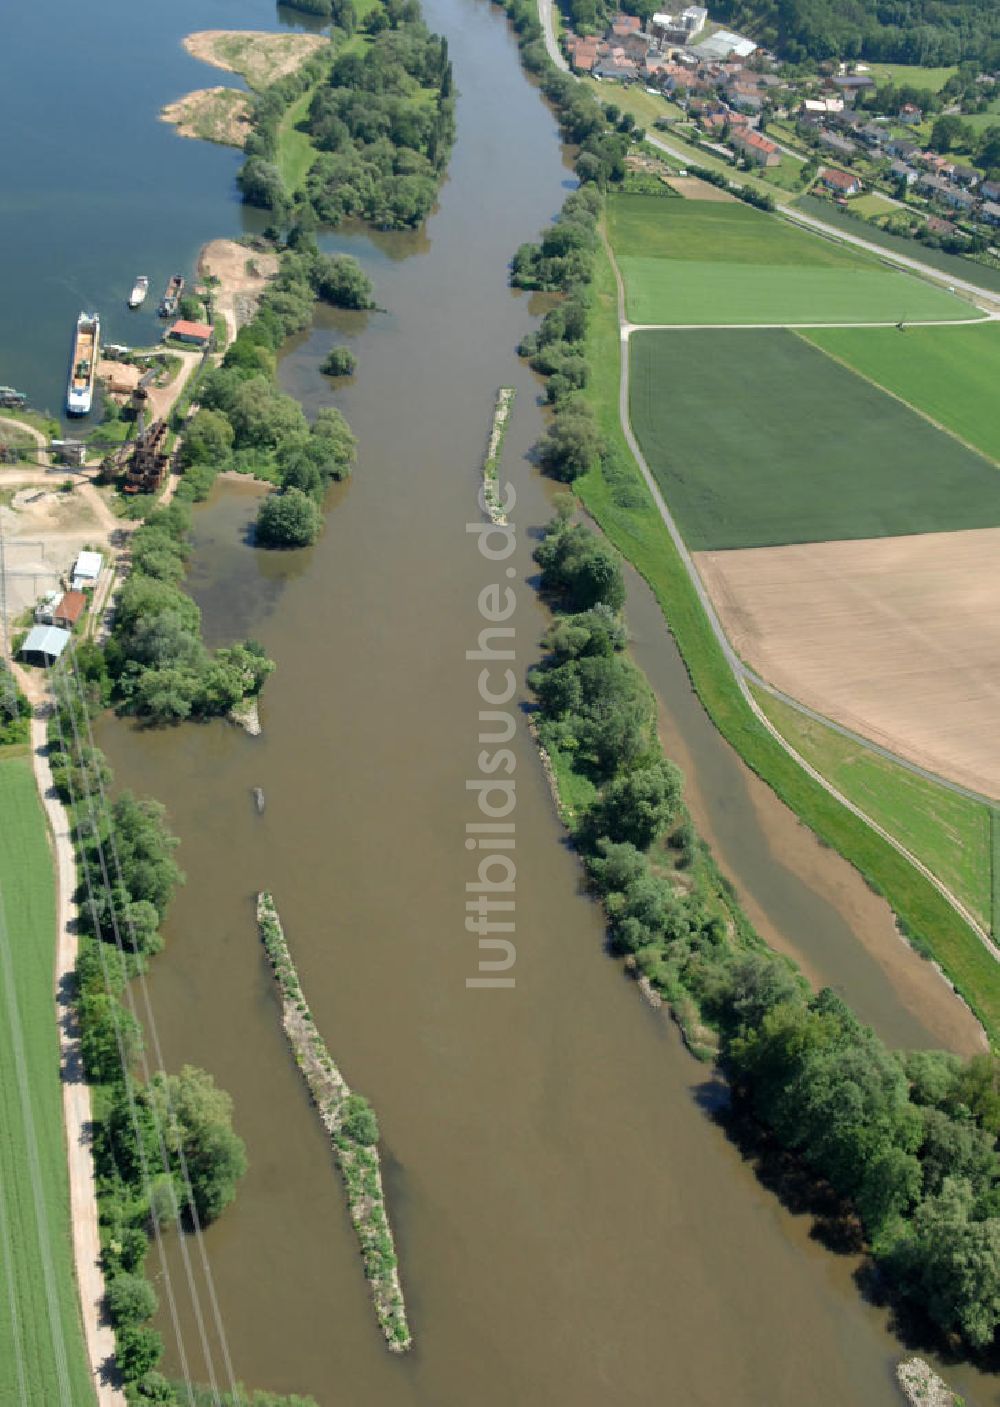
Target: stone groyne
{"points": [[352, 1129], [491, 464]]}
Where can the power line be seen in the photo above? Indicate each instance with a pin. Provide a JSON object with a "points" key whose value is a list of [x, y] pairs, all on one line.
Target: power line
{"points": [[157, 1051], [126, 1073]]}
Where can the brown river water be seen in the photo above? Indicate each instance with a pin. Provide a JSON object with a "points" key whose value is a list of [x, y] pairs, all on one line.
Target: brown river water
{"points": [[573, 1226]]}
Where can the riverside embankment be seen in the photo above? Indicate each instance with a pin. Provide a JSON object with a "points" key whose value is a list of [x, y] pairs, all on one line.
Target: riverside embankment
{"points": [[560, 1198]]}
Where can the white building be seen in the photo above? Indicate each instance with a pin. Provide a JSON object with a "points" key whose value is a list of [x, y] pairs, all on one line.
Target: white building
{"points": [[724, 43], [87, 570]]}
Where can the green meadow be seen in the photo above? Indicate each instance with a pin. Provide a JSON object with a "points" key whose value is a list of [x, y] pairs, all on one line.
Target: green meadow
{"points": [[36, 1262], [758, 439], [952, 374], [708, 263], [948, 832]]}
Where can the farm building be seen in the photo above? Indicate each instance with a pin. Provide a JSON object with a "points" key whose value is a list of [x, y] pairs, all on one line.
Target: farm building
{"points": [[44, 644], [197, 334], [69, 609]]}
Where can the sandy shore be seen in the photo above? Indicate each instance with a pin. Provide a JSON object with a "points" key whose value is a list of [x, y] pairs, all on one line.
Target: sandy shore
{"points": [[242, 276], [212, 115], [259, 58]]}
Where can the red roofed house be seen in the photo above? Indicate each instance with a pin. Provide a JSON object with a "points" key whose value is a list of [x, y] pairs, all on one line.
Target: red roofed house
{"points": [[69, 609], [840, 182], [756, 148], [199, 334], [623, 25]]}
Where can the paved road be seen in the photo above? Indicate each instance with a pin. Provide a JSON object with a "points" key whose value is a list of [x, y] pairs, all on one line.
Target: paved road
{"points": [[743, 676], [549, 29], [627, 328]]}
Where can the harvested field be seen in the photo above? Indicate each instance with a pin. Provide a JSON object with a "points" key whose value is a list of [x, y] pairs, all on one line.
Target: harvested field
{"points": [[758, 440], [701, 262], [211, 114], [259, 58], [896, 638], [692, 189], [951, 374]]}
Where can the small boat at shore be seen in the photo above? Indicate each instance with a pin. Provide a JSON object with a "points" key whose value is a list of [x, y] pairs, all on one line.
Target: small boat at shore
{"points": [[171, 297], [83, 366], [139, 290]]}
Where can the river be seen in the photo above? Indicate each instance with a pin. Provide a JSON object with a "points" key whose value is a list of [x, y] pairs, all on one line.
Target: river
{"points": [[573, 1226]]}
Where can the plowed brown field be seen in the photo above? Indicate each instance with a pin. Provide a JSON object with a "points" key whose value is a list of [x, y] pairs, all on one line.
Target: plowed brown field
{"points": [[897, 638]]}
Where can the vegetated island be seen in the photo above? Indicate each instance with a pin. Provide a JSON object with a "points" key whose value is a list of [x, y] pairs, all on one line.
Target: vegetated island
{"points": [[224, 115], [353, 1131], [491, 464]]}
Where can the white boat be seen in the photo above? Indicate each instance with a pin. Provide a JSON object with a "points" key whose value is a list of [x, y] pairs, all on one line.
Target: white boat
{"points": [[83, 367], [139, 290]]}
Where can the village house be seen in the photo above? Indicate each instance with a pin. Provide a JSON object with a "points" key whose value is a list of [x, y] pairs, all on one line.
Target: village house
{"points": [[966, 176], [990, 190], [755, 148], [901, 172], [849, 85], [744, 96], [624, 25], [816, 109], [990, 212], [840, 182], [936, 188], [903, 148], [910, 115], [872, 135], [840, 146]]}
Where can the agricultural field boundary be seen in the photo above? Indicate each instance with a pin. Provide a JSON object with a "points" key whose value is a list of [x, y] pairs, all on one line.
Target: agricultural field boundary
{"points": [[735, 665]]}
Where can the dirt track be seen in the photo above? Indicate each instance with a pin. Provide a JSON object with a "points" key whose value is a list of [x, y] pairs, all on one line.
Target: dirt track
{"points": [[896, 638]]}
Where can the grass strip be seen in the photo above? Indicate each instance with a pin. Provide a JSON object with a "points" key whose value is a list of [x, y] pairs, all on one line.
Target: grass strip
{"points": [[28, 1334], [948, 832]]}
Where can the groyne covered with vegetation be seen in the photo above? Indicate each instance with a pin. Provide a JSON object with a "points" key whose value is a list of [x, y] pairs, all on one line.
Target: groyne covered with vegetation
{"points": [[494, 450], [353, 1130]]}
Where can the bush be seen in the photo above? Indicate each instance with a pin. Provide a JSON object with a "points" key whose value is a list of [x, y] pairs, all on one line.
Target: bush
{"points": [[131, 1300], [358, 1121], [288, 519], [339, 361]]}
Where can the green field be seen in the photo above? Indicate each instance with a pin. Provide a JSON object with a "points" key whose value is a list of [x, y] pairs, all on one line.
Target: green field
{"points": [[758, 439], [952, 374], [296, 152], [708, 262], [36, 1264], [914, 74], [621, 504], [948, 832]]}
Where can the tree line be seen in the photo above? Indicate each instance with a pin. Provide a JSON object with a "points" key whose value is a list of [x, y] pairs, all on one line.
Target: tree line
{"points": [[908, 1140], [151, 1139]]}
